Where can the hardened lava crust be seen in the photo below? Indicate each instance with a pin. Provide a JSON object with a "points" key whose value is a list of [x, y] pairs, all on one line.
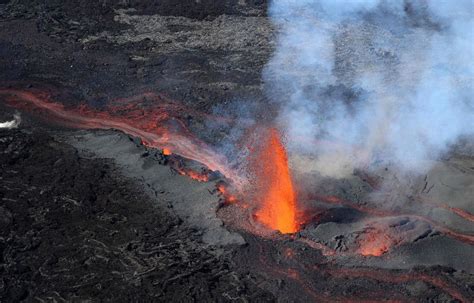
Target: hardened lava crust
{"points": [[100, 215]]}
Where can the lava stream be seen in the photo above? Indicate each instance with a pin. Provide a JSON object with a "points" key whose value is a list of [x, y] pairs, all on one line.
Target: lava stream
{"points": [[300, 277], [224, 190], [304, 273], [149, 124], [393, 277], [458, 211], [159, 126], [467, 238]]}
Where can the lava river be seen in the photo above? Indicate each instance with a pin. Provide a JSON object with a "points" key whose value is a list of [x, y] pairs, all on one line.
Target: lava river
{"points": [[160, 126], [269, 186]]}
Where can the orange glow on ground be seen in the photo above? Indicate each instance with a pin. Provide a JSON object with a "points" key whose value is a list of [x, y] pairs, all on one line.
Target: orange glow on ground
{"points": [[375, 244], [166, 152], [193, 175], [275, 187], [228, 197], [156, 120]]}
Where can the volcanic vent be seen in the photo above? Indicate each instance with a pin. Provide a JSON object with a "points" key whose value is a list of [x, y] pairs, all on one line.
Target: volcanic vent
{"points": [[274, 198], [276, 194], [349, 179], [271, 197]]}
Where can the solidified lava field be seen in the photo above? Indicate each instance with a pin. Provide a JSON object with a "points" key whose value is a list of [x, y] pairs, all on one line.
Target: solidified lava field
{"points": [[121, 178]]}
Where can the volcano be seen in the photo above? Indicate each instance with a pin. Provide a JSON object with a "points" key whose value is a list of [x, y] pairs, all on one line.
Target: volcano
{"points": [[211, 151], [359, 230]]}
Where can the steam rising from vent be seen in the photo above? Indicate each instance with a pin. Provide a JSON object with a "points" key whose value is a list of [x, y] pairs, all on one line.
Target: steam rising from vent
{"points": [[387, 81]]}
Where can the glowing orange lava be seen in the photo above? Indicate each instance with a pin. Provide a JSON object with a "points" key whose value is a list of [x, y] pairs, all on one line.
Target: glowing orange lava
{"points": [[193, 175], [375, 244], [159, 126], [166, 152], [224, 190], [278, 210]]}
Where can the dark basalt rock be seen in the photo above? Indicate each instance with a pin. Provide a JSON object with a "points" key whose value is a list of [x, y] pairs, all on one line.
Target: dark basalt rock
{"points": [[72, 229]]}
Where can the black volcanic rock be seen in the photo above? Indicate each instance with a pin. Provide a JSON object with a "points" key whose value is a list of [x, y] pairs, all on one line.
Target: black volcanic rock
{"points": [[76, 226], [71, 229]]}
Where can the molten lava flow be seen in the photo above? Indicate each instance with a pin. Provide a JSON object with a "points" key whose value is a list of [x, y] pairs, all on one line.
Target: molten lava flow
{"points": [[166, 152], [201, 177], [397, 277], [158, 126], [458, 211], [225, 192], [375, 243], [275, 187], [467, 238]]}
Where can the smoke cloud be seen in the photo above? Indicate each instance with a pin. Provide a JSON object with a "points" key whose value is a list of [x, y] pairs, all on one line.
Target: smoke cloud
{"points": [[364, 83], [13, 123]]}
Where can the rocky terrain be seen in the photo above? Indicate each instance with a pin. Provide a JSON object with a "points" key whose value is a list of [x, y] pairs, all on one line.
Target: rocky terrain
{"points": [[94, 215], [75, 222], [73, 229]]}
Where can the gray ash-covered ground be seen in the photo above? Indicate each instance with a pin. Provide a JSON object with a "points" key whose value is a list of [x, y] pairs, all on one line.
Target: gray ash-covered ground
{"points": [[94, 215]]}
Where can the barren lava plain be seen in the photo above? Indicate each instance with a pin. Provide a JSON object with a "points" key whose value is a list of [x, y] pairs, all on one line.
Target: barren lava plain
{"points": [[98, 202]]}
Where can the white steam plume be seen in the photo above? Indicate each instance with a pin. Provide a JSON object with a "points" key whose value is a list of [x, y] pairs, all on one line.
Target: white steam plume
{"points": [[382, 81], [13, 123]]}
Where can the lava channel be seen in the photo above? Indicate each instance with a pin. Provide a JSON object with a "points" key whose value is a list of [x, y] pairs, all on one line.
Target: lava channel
{"points": [[157, 126]]}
